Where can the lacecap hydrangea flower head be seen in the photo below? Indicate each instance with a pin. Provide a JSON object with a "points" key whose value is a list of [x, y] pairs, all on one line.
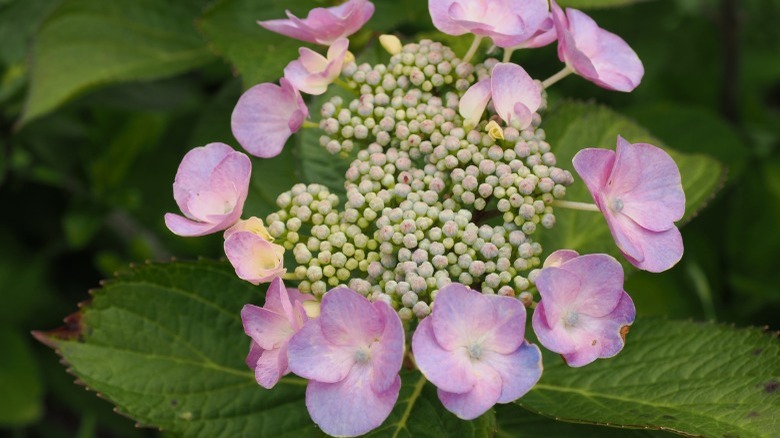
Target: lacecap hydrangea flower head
{"points": [[430, 260]]}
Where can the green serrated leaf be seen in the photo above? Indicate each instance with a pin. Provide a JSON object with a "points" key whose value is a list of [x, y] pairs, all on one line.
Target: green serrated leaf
{"points": [[419, 413], [166, 345], [572, 126], [86, 43], [699, 379]]}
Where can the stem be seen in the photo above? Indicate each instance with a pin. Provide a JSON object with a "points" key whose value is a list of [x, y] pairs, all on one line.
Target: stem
{"points": [[343, 84], [291, 276], [308, 124], [584, 206], [508, 54], [472, 49], [566, 71]]}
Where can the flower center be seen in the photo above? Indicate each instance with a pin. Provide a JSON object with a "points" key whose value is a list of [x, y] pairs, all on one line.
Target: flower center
{"points": [[362, 355], [617, 204], [475, 351], [571, 318]]}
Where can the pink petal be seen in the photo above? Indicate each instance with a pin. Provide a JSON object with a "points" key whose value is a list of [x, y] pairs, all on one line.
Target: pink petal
{"points": [[181, 226], [254, 354], [544, 35], [288, 28], [619, 67], [660, 250], [268, 329], [312, 356], [195, 171], [601, 283], [559, 289], [261, 120], [449, 370], [440, 14], [647, 182], [461, 316], [568, 50], [348, 318], [277, 299], [484, 394], [594, 167], [627, 234], [508, 325], [350, 407], [559, 257], [474, 102], [255, 259], [387, 354], [511, 85], [324, 25], [551, 335], [519, 370], [271, 366]]}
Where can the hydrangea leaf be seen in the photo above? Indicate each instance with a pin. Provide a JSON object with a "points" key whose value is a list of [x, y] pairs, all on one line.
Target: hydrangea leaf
{"points": [[257, 54], [419, 413], [166, 345], [86, 43], [698, 379], [164, 342], [572, 126]]}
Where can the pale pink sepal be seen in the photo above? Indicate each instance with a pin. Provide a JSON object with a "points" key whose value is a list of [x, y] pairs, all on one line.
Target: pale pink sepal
{"points": [[271, 328], [311, 73], [473, 349], [255, 259], [324, 25], [267, 115], [594, 53], [351, 354], [516, 96], [210, 188], [638, 188], [508, 23]]}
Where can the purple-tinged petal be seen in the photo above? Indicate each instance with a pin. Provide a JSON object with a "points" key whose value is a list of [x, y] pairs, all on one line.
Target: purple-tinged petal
{"points": [[511, 85], [594, 167], [627, 234], [348, 318], [267, 115], [387, 354], [559, 289], [484, 394], [600, 294], [277, 299], [440, 14], [253, 224], [646, 184], [519, 370], [181, 226], [254, 354], [508, 325], [255, 259], [324, 25], [271, 366], [660, 250], [312, 356], [462, 316], [449, 370], [311, 73], [268, 329], [350, 407], [195, 171], [550, 335], [559, 257], [474, 101], [545, 35]]}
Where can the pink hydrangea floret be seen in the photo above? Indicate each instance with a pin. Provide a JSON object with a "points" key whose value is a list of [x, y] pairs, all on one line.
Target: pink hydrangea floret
{"points": [[311, 73], [508, 23], [638, 189], [594, 53], [472, 348], [271, 328], [267, 115], [516, 96], [250, 249], [351, 354], [210, 188], [584, 313], [324, 25]]}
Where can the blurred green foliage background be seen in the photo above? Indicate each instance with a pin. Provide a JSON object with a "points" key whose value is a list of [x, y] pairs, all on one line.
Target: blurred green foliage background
{"points": [[99, 100]]}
